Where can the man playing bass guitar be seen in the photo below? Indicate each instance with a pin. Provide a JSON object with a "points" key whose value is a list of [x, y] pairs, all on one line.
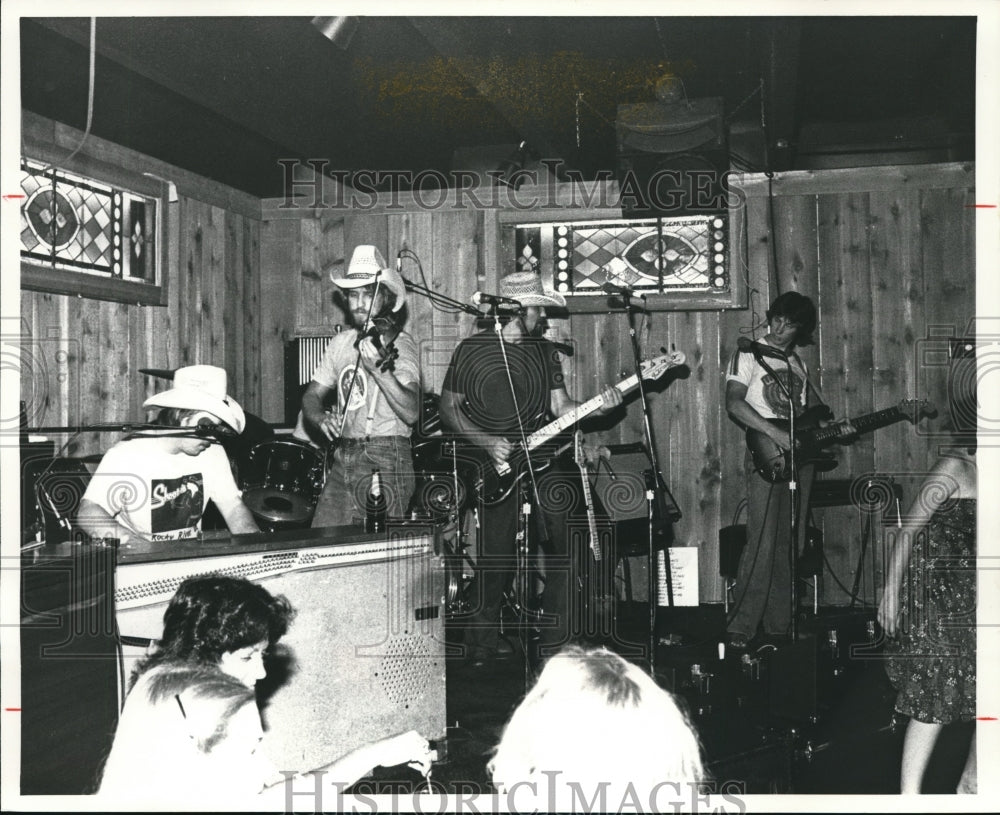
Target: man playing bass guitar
{"points": [[477, 404], [760, 378]]}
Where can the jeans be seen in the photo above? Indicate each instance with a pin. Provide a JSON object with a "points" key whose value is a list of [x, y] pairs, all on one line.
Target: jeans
{"points": [[501, 538], [342, 501]]}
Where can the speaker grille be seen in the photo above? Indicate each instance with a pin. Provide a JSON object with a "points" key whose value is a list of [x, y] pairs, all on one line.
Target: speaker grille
{"points": [[403, 672]]}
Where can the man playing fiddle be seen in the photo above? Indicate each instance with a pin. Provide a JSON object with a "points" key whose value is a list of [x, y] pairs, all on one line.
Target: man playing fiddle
{"points": [[374, 372]]}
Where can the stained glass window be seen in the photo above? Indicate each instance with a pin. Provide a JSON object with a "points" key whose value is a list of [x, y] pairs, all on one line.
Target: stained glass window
{"points": [[79, 224], [653, 255]]}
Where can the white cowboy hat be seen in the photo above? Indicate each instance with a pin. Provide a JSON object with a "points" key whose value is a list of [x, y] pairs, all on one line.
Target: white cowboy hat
{"points": [[527, 289], [367, 265], [201, 387]]}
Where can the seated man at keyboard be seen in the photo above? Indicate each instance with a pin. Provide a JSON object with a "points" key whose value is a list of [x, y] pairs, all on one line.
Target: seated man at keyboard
{"points": [[155, 484]]}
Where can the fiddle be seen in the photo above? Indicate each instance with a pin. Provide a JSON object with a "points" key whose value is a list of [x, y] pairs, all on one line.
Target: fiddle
{"points": [[383, 332]]}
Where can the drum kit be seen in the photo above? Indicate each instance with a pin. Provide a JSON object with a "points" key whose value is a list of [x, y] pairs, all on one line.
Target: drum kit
{"points": [[282, 479]]}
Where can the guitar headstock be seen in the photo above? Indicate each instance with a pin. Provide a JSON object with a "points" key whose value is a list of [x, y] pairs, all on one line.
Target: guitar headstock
{"points": [[657, 366], [916, 409]]}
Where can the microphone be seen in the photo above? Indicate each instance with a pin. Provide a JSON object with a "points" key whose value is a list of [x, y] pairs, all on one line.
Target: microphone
{"points": [[215, 431], [480, 299], [612, 288], [762, 348]]}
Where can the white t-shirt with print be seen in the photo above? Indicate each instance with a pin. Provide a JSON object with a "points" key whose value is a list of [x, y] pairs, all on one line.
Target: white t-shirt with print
{"points": [[160, 494], [336, 370], [764, 393]]}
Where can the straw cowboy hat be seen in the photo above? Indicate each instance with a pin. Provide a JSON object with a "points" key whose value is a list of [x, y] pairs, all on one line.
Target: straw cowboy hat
{"points": [[527, 289], [201, 387], [367, 265]]}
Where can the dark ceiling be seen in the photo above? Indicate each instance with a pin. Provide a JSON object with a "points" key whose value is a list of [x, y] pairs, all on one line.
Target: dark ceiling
{"points": [[227, 97]]}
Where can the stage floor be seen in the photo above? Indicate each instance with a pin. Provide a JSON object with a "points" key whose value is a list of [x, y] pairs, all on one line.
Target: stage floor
{"points": [[810, 719]]}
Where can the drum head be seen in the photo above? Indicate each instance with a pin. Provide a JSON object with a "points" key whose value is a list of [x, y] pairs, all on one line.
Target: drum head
{"points": [[278, 507], [285, 465]]}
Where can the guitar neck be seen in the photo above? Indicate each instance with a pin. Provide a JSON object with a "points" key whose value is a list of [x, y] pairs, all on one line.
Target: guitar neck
{"points": [[581, 411], [863, 424]]}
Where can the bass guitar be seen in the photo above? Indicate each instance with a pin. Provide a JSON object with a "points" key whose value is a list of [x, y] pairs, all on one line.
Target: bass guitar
{"points": [[495, 482], [774, 464]]}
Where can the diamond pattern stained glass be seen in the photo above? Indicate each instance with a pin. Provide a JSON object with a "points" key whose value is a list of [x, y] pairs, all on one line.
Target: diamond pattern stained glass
{"points": [[74, 223], [655, 255]]}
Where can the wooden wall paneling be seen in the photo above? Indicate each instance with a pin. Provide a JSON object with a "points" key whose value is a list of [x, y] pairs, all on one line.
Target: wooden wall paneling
{"points": [[947, 229], [414, 231], [454, 242], [279, 241], [215, 326], [43, 335], [687, 427], [759, 254], [845, 338], [616, 334], [190, 284], [491, 252], [232, 304], [250, 357], [117, 379], [331, 257], [168, 354], [307, 278], [795, 243], [86, 315], [898, 307]]}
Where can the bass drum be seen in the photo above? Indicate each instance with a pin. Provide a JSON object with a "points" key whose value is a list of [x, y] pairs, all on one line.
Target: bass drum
{"points": [[283, 482]]}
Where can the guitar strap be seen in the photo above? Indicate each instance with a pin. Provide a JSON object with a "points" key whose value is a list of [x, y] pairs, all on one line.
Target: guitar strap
{"points": [[371, 408], [809, 382]]}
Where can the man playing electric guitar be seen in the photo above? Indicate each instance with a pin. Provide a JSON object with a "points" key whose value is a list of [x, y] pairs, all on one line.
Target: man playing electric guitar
{"points": [[477, 404], [760, 378]]}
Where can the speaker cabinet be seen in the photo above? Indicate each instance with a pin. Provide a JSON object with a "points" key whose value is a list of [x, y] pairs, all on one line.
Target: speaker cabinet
{"points": [[364, 657], [69, 668], [672, 158]]}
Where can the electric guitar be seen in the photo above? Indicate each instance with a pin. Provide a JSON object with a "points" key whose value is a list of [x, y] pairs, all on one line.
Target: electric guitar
{"points": [[774, 464], [495, 482], [588, 499]]}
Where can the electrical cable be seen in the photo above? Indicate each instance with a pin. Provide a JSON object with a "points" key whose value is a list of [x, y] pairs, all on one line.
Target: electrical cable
{"points": [[440, 304], [90, 100]]}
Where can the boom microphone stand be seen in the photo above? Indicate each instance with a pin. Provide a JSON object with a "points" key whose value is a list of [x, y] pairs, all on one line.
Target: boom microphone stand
{"points": [[439, 299], [671, 513]]}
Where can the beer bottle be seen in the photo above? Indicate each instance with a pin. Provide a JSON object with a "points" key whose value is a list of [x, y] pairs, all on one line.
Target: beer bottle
{"points": [[376, 509]]}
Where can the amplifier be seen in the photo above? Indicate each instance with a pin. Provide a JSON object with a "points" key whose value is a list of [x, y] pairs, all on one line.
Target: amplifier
{"points": [[364, 656]]}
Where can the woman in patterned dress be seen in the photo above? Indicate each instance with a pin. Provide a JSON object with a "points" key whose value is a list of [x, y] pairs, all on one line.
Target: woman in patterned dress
{"points": [[928, 612]]}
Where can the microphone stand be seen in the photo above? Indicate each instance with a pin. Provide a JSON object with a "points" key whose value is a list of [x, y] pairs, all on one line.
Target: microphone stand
{"points": [[658, 483], [521, 562], [793, 492], [440, 299]]}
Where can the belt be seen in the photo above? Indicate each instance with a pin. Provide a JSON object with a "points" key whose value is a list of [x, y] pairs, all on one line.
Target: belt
{"points": [[361, 442]]}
